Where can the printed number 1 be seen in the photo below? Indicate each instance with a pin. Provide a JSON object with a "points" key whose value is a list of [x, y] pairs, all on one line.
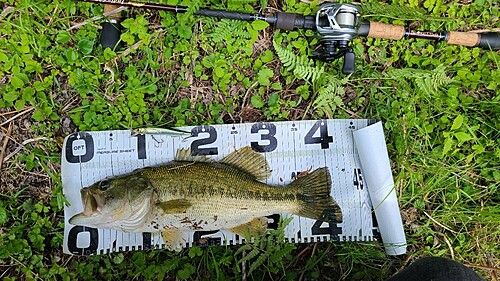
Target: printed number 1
{"points": [[141, 146], [324, 139]]}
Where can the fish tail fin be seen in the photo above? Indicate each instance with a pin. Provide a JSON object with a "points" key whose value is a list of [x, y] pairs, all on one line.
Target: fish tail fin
{"points": [[315, 200]]}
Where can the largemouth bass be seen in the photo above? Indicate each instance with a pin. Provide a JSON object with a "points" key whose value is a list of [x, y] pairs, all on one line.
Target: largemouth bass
{"points": [[195, 193]]}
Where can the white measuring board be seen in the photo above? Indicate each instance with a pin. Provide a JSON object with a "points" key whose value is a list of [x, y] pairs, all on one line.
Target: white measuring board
{"points": [[289, 147]]}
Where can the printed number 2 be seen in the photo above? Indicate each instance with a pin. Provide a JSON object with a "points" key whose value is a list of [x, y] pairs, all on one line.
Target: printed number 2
{"points": [[212, 137], [323, 138], [273, 142]]}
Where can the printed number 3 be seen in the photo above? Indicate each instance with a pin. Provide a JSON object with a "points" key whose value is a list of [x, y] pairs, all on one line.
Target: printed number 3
{"points": [[273, 142]]}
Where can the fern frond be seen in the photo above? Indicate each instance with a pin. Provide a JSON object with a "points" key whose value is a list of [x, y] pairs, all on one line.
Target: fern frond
{"points": [[250, 255], [394, 11], [330, 97], [230, 29], [301, 66], [268, 249], [259, 261], [194, 6], [241, 2], [245, 247], [425, 81]]}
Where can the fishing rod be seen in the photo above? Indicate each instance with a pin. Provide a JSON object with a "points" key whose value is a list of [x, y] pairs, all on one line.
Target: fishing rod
{"points": [[337, 25]]}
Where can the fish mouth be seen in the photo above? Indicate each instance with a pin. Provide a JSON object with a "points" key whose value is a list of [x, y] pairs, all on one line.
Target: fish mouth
{"points": [[92, 206], [91, 202]]}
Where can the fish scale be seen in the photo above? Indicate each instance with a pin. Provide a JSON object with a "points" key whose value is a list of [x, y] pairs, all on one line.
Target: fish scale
{"points": [[188, 179]]}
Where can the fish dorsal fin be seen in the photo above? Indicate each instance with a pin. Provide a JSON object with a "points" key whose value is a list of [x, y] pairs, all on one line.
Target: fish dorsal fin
{"points": [[184, 154], [247, 159], [175, 206]]}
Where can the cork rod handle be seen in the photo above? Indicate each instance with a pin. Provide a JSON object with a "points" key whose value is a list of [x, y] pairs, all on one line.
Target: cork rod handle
{"points": [[384, 31], [468, 39], [485, 40]]}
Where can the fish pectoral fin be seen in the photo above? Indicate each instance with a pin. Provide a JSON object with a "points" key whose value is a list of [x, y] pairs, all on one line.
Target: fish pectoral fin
{"points": [[254, 227], [247, 159], [173, 239], [175, 206]]}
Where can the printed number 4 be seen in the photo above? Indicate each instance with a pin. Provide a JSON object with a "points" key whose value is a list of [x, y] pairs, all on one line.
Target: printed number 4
{"points": [[324, 139]]}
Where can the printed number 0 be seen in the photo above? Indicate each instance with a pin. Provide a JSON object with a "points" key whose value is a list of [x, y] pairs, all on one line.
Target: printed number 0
{"points": [[323, 138], [273, 142], [73, 237], [212, 137]]}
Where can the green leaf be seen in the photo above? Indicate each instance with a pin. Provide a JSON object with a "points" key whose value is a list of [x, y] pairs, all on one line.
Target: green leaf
{"points": [[19, 105], [109, 54], [273, 99], [276, 86], [16, 82], [3, 215], [257, 101], [38, 115], [85, 46], [10, 96], [219, 72], [447, 145], [184, 32], [186, 272], [259, 25], [3, 57], [63, 37], [457, 123], [496, 175], [462, 137], [118, 258], [195, 252], [71, 55], [478, 148], [267, 57], [127, 38], [264, 75]]}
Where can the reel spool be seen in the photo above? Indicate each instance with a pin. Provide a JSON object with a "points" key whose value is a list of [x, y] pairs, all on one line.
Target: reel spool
{"points": [[337, 25]]}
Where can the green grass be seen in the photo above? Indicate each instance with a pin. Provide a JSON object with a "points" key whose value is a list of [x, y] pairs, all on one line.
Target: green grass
{"points": [[440, 106]]}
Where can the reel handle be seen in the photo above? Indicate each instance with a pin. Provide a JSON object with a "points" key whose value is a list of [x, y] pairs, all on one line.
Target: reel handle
{"points": [[111, 29], [486, 40]]}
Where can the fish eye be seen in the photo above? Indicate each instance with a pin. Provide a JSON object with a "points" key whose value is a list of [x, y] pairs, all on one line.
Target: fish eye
{"points": [[103, 185]]}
